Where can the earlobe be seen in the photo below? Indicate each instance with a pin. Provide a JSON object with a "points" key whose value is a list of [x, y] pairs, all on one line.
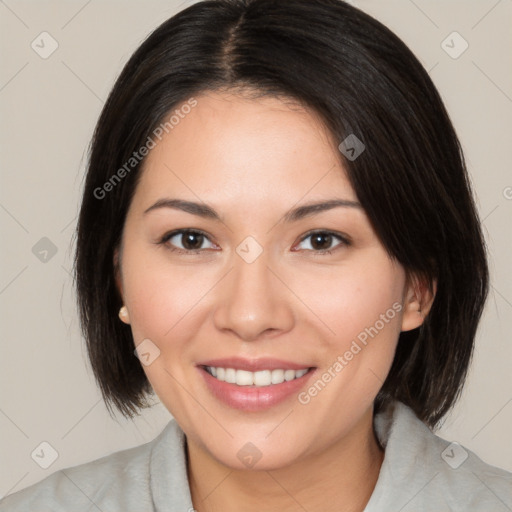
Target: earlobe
{"points": [[123, 315], [123, 312], [417, 303]]}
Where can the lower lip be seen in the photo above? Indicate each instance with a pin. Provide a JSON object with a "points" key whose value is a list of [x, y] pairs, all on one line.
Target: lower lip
{"points": [[253, 398]]}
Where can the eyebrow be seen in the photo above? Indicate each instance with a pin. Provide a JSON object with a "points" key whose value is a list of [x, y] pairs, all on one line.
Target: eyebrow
{"points": [[293, 215]]}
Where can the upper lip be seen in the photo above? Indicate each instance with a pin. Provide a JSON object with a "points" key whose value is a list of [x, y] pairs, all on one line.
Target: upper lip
{"points": [[254, 365]]}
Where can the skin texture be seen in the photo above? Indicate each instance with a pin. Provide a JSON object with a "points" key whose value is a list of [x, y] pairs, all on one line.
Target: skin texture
{"points": [[252, 160]]}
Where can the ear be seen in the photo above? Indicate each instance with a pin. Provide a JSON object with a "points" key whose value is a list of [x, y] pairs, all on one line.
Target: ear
{"points": [[418, 300]]}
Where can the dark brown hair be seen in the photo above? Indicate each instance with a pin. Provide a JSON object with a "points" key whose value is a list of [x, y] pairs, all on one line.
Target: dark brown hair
{"points": [[361, 79]]}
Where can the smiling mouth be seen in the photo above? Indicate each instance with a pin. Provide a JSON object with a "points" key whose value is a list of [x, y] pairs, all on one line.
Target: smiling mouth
{"points": [[260, 378]]}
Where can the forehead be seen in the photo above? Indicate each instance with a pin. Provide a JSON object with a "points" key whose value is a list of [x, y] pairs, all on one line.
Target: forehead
{"points": [[246, 147]]}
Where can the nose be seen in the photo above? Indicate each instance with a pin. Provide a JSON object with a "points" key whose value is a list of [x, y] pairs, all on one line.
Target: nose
{"points": [[253, 302]]}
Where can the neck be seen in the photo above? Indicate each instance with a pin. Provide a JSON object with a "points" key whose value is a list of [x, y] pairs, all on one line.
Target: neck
{"points": [[340, 478]]}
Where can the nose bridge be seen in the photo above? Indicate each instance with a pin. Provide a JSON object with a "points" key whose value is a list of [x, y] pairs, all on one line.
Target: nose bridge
{"points": [[252, 276], [254, 300]]}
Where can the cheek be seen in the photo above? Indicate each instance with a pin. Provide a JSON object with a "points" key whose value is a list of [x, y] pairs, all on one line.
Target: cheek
{"points": [[341, 301], [157, 294], [165, 304], [360, 307], [349, 299]]}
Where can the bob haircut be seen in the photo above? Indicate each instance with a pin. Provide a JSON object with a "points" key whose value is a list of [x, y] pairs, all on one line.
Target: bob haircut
{"points": [[411, 180]]}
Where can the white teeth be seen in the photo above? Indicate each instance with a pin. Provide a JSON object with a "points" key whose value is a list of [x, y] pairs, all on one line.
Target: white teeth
{"points": [[277, 376], [289, 375], [230, 375], [244, 378], [260, 378], [263, 378]]}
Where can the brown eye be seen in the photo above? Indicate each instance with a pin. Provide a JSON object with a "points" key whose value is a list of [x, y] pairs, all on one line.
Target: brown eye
{"points": [[191, 241], [185, 240], [322, 241]]}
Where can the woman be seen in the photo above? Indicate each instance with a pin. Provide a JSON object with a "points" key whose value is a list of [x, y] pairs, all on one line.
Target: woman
{"points": [[278, 236]]}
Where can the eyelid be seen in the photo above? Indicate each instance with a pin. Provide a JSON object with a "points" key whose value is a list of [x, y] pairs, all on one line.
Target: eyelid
{"points": [[170, 234], [344, 240]]}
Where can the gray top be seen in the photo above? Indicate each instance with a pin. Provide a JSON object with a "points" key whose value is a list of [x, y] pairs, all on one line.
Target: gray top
{"points": [[420, 472]]}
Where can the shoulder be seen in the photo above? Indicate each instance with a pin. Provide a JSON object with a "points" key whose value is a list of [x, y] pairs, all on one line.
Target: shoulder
{"points": [[422, 471], [119, 481], [466, 481]]}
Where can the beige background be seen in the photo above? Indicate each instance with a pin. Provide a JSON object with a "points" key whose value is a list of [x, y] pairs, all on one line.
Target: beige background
{"points": [[49, 107]]}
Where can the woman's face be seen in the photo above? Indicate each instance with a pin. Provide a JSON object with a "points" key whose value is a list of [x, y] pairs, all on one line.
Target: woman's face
{"points": [[256, 290]]}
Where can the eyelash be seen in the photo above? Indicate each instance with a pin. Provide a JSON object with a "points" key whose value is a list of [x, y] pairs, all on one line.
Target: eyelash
{"points": [[163, 241]]}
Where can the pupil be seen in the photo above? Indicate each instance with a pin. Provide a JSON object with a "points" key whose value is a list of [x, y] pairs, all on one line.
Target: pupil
{"points": [[320, 236], [189, 241]]}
